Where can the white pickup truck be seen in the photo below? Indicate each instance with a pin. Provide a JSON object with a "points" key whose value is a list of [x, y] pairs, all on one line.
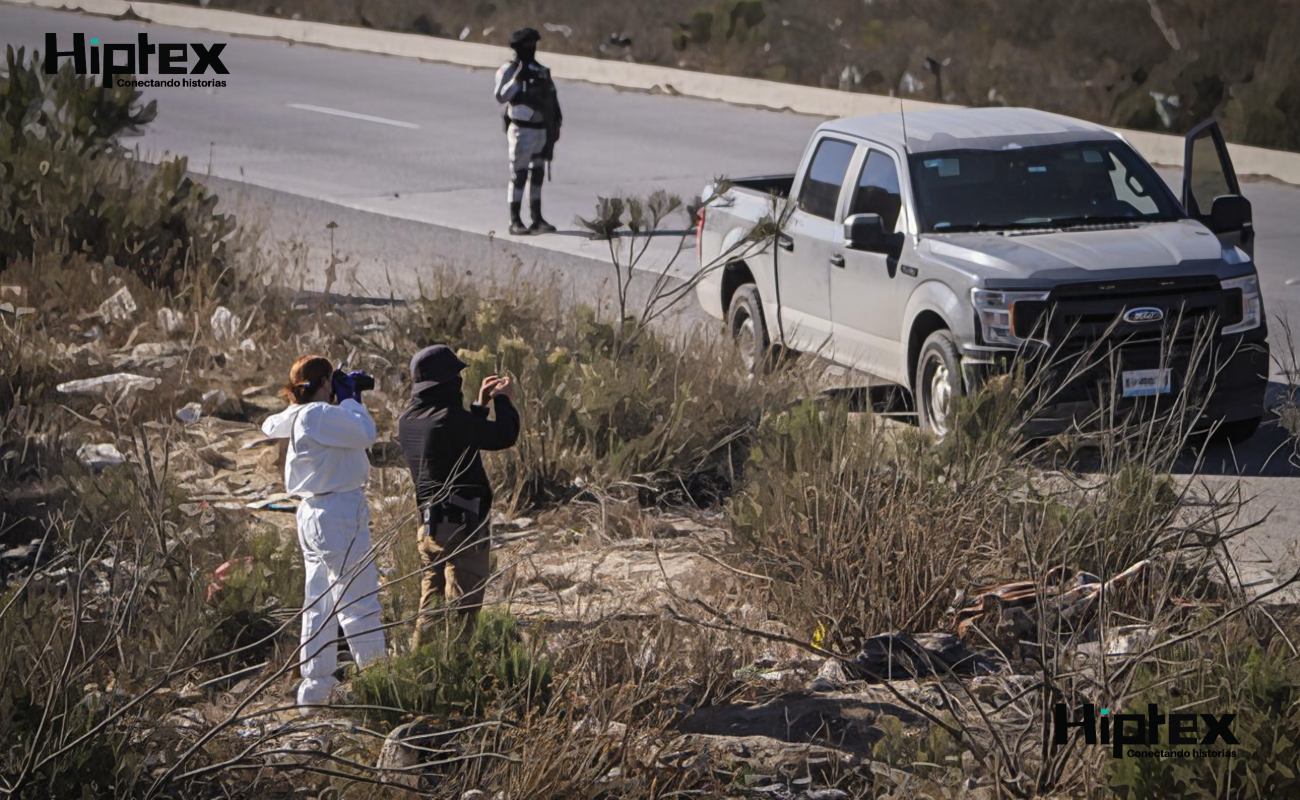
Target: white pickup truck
{"points": [[932, 257]]}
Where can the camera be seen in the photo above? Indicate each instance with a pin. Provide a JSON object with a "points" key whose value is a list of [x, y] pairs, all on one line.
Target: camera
{"points": [[360, 381]]}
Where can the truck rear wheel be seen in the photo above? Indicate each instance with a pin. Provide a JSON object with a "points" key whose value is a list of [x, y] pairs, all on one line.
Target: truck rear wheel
{"points": [[747, 327], [938, 382], [1238, 431]]}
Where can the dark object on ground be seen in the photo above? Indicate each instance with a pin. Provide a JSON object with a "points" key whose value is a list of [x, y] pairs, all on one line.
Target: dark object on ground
{"points": [[894, 656]]}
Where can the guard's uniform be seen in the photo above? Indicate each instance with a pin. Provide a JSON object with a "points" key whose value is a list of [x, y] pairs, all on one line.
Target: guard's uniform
{"points": [[532, 119]]}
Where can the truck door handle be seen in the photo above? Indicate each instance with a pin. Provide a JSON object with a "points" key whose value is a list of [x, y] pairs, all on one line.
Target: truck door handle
{"points": [[785, 242], [837, 260]]}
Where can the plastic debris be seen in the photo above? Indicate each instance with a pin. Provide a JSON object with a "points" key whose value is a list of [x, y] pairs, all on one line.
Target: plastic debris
{"points": [[117, 386], [120, 307], [225, 324], [171, 321], [100, 456]]}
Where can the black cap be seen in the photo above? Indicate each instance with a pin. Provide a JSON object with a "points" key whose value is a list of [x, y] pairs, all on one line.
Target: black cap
{"points": [[434, 366], [524, 36]]}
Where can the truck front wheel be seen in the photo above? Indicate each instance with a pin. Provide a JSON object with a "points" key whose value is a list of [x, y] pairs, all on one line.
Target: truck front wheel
{"points": [[746, 325], [938, 382]]}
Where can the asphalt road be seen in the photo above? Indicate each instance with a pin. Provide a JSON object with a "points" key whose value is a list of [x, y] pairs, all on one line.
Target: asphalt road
{"points": [[409, 159]]}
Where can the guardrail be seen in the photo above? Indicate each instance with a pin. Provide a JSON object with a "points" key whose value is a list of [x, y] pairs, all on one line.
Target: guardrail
{"points": [[1158, 148]]}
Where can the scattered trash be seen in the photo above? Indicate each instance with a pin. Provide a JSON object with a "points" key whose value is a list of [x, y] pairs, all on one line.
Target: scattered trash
{"points": [[114, 387], [248, 346], [275, 502], [892, 656], [221, 574], [171, 321], [464, 34], [1073, 593], [120, 307], [563, 30], [225, 324], [100, 456], [150, 355], [20, 311], [191, 413]]}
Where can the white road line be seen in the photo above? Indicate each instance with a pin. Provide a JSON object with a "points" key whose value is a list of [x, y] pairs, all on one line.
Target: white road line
{"points": [[396, 123]]}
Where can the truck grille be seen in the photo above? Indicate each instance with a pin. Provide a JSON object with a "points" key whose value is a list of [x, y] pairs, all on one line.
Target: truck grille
{"points": [[1078, 315]]}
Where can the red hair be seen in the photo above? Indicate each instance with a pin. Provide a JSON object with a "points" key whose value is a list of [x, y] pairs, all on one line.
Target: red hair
{"points": [[306, 376]]}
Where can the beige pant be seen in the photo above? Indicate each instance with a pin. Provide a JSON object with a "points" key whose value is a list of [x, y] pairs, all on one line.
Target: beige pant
{"points": [[455, 571]]}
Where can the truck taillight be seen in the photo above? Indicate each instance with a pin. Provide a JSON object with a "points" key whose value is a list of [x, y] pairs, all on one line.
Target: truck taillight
{"points": [[699, 235]]}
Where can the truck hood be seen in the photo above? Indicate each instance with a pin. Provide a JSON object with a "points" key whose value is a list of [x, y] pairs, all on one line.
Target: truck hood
{"points": [[1089, 254]]}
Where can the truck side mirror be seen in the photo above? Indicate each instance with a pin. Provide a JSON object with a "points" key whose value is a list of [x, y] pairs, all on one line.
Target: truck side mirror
{"points": [[867, 232], [1229, 214]]}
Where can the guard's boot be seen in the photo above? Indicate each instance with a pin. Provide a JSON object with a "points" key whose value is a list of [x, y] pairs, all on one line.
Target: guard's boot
{"points": [[539, 225], [517, 227]]}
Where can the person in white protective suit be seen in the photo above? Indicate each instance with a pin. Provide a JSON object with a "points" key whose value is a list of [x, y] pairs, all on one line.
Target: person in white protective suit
{"points": [[328, 431], [532, 121]]}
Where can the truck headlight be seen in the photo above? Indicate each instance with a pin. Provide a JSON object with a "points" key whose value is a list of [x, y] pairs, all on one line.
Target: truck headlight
{"points": [[997, 313], [1252, 309]]}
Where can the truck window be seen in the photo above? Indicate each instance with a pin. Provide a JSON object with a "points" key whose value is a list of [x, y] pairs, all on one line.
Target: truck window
{"points": [[1076, 184], [877, 191], [821, 186]]}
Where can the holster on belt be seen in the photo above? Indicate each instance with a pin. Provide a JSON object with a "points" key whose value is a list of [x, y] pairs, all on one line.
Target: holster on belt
{"points": [[453, 521]]}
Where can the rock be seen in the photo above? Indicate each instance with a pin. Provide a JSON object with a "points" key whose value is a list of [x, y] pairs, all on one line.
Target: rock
{"points": [[118, 308], [830, 677], [225, 324], [397, 754], [191, 413], [215, 459], [219, 402], [100, 456], [115, 387], [171, 321]]}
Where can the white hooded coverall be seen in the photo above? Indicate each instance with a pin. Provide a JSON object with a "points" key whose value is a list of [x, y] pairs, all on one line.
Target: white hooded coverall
{"points": [[327, 467]]}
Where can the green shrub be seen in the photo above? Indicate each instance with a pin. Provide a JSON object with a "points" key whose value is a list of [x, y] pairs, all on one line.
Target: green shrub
{"points": [[67, 185], [1260, 683], [670, 416], [455, 675], [252, 593]]}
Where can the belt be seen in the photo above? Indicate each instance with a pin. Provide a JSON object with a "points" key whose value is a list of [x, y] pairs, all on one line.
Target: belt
{"points": [[528, 124]]}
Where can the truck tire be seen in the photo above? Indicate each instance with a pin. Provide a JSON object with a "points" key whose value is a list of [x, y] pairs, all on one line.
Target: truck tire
{"points": [[1238, 431], [747, 327], [938, 382]]}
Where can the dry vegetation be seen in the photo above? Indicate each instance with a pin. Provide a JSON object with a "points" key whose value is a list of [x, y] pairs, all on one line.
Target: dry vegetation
{"points": [[690, 584], [1160, 65]]}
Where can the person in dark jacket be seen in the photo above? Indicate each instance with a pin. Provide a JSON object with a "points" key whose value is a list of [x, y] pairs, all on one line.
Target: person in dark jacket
{"points": [[441, 441]]}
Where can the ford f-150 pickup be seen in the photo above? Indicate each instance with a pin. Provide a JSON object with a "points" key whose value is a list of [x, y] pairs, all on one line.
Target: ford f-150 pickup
{"points": [[931, 250]]}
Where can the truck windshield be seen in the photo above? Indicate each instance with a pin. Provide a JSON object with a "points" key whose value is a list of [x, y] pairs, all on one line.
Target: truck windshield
{"points": [[1052, 186]]}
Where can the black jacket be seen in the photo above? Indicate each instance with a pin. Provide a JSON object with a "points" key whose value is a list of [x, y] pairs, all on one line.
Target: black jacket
{"points": [[441, 441]]}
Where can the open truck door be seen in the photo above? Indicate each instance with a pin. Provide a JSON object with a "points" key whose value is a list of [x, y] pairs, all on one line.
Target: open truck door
{"points": [[1211, 193]]}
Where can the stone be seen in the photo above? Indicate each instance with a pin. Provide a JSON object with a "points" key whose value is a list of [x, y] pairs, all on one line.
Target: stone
{"points": [[191, 413], [219, 402], [397, 755], [892, 656], [100, 456], [225, 324], [115, 387], [830, 677], [120, 307]]}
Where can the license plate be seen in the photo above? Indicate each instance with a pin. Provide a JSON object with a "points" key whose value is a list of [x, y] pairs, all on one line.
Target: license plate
{"points": [[1147, 382]]}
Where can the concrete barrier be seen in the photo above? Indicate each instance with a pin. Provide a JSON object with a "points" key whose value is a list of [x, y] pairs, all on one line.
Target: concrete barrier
{"points": [[1158, 148]]}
